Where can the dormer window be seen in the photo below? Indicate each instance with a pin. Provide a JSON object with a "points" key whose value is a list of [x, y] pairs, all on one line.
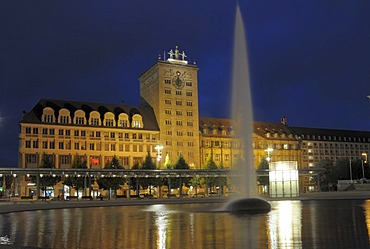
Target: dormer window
{"points": [[64, 116], [64, 119], [137, 121], [48, 118], [48, 115], [109, 122], [79, 118], [123, 120], [94, 118], [109, 119]]}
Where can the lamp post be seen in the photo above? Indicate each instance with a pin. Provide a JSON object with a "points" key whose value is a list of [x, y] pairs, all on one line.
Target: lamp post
{"points": [[159, 149], [269, 151], [363, 159]]}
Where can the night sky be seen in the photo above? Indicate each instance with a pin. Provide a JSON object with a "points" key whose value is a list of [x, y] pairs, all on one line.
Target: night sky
{"points": [[309, 60]]}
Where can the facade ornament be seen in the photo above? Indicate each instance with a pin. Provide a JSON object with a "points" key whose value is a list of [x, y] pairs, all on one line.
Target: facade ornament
{"points": [[171, 53], [183, 55], [177, 57]]}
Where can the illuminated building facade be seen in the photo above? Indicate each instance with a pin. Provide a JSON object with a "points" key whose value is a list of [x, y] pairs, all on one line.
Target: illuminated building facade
{"points": [[168, 115], [96, 132], [170, 87]]}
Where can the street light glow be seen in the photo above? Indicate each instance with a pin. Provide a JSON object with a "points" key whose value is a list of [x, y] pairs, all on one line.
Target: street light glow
{"points": [[159, 149]]}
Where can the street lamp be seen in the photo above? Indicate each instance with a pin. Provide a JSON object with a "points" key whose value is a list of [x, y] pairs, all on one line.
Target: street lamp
{"points": [[350, 170], [363, 159], [269, 151], [159, 149]]}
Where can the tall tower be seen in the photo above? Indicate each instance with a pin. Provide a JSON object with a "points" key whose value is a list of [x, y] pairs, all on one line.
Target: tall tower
{"points": [[170, 87]]}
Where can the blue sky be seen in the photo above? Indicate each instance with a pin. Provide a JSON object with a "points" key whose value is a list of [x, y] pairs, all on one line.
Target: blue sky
{"points": [[309, 60]]}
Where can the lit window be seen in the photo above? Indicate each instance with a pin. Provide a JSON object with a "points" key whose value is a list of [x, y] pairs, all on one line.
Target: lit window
{"points": [[94, 121], [109, 122]]}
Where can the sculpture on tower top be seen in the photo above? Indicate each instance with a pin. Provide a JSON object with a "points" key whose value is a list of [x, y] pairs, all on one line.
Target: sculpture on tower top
{"points": [[177, 57]]}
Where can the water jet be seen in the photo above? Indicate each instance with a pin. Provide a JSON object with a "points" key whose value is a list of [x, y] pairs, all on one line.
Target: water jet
{"points": [[246, 201]]}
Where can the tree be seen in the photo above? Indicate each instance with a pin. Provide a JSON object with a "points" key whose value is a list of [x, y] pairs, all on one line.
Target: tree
{"points": [[46, 180], [77, 182], [148, 164], [134, 181], [167, 163], [111, 182], [180, 164], [264, 165], [210, 164], [328, 177], [223, 181]]}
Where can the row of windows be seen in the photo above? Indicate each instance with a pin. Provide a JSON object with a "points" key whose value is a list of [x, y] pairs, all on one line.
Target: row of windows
{"points": [[217, 131], [178, 92], [332, 152], [180, 143], [179, 122], [169, 81], [109, 119], [276, 146], [94, 160], [220, 144], [180, 133], [334, 138], [178, 102], [97, 146], [223, 157], [178, 112], [276, 135], [92, 134], [335, 145]]}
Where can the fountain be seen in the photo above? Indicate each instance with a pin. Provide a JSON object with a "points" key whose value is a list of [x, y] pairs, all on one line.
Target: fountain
{"points": [[246, 200]]}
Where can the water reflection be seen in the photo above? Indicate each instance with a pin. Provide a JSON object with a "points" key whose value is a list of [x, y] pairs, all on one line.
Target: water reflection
{"points": [[290, 224], [285, 224]]}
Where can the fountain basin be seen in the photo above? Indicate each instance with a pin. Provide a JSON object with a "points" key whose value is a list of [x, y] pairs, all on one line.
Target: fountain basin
{"points": [[248, 205]]}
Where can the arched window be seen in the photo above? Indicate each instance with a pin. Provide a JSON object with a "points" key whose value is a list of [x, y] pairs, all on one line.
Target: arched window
{"points": [[137, 121], [48, 115], [94, 118], [109, 119], [123, 120], [64, 116], [80, 118]]}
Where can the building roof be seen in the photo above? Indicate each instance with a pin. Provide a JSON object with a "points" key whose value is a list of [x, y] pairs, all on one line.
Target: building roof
{"points": [[279, 130], [324, 134], [265, 128], [147, 113]]}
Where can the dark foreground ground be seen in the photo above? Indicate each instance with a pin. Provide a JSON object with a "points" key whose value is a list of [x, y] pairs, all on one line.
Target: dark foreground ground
{"points": [[8, 206]]}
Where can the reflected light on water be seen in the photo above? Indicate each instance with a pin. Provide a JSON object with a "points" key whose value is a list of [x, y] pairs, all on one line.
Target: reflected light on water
{"points": [[161, 221], [290, 224], [284, 225], [367, 216]]}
